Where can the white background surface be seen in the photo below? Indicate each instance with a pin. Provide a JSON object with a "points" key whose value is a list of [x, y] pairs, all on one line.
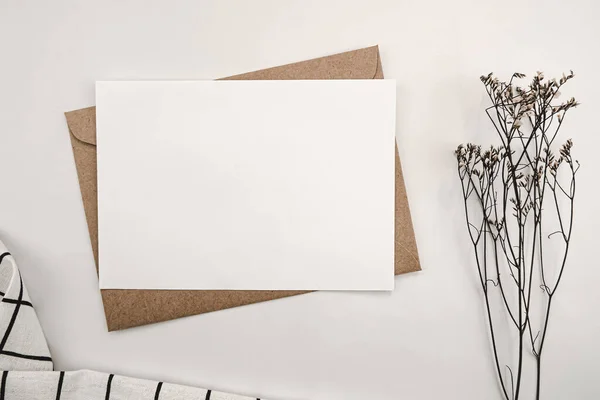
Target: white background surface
{"points": [[246, 184], [428, 339]]}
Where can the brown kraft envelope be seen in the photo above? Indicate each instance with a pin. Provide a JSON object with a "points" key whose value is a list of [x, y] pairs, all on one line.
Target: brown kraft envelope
{"points": [[125, 308]]}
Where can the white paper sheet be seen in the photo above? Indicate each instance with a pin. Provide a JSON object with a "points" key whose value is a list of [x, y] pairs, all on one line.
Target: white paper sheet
{"points": [[254, 185]]}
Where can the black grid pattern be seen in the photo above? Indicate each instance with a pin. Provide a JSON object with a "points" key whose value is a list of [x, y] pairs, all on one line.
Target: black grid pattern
{"points": [[17, 303]]}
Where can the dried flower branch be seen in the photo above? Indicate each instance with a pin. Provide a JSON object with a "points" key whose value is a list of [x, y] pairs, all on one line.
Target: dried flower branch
{"points": [[511, 192]]}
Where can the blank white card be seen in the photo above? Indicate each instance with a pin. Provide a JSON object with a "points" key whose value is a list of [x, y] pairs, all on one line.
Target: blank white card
{"points": [[246, 185]]}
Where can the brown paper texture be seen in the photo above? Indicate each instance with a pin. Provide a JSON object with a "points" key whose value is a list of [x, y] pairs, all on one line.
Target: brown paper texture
{"points": [[126, 308]]}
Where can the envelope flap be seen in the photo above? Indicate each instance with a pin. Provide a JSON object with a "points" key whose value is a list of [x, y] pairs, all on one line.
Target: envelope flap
{"points": [[82, 124], [357, 64]]}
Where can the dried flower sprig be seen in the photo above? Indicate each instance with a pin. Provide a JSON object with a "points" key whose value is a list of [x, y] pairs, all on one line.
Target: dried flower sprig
{"points": [[507, 191]]}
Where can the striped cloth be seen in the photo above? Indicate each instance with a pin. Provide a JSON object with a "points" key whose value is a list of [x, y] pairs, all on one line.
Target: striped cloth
{"points": [[26, 363]]}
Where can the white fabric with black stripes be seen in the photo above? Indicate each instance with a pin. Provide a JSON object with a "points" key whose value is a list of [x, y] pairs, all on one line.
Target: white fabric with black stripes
{"points": [[26, 364]]}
